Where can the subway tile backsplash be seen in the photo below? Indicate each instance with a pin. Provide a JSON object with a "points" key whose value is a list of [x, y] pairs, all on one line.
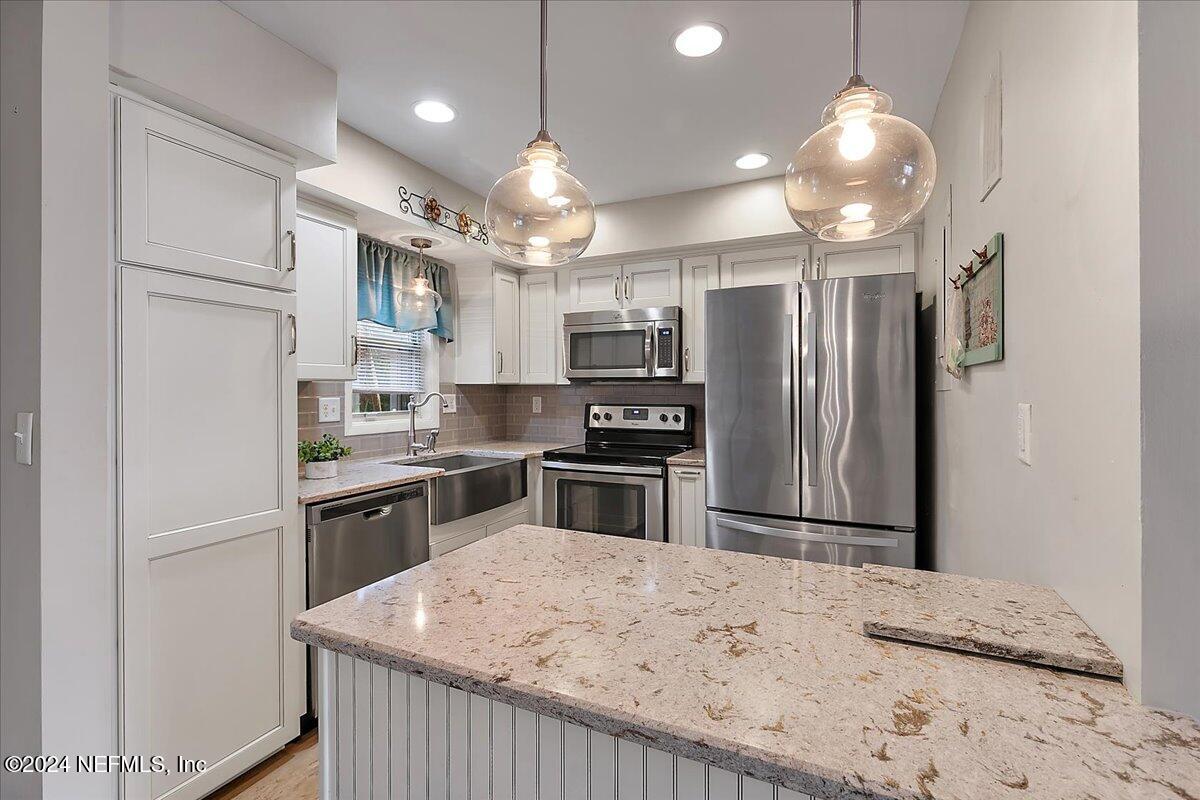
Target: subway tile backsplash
{"points": [[500, 412]]}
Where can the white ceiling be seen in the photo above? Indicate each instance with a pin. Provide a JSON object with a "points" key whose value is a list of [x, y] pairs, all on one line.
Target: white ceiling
{"points": [[635, 118]]}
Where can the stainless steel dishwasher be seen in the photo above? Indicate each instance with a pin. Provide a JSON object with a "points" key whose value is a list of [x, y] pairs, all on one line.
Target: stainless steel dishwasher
{"points": [[358, 540]]}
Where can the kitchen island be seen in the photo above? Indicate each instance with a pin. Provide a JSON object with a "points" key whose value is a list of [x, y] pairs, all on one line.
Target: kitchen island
{"points": [[553, 664]]}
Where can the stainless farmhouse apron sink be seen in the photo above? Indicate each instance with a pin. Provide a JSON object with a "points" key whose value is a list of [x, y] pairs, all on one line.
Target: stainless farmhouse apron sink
{"points": [[471, 484]]}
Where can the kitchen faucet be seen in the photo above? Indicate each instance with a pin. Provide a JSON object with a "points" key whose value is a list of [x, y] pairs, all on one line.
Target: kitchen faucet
{"points": [[431, 438]]}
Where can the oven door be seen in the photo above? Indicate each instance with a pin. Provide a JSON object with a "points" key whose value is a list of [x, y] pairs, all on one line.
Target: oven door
{"points": [[597, 498], [610, 350]]}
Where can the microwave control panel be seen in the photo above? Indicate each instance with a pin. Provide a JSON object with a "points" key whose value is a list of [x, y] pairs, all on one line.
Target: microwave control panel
{"points": [[665, 347]]}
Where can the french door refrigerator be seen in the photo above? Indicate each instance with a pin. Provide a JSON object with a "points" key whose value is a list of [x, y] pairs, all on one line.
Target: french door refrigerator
{"points": [[810, 413]]}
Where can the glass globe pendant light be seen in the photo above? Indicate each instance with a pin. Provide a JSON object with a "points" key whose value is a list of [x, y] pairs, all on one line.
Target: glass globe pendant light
{"points": [[866, 172], [539, 214], [416, 300]]}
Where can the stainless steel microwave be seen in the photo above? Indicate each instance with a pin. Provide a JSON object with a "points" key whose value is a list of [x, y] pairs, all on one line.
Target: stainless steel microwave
{"points": [[631, 343]]}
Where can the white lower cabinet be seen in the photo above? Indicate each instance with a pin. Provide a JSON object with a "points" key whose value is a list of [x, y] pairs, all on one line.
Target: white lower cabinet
{"points": [[686, 505], [462, 532], [210, 560]]}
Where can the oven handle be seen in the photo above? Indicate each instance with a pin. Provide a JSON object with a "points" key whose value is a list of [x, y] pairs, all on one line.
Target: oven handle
{"points": [[605, 468]]}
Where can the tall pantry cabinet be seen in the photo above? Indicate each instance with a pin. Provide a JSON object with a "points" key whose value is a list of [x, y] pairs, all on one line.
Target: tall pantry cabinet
{"points": [[210, 563]]}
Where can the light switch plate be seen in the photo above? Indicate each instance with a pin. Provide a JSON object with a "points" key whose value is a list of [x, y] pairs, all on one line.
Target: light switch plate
{"points": [[329, 409], [451, 404], [537, 405], [1025, 433]]}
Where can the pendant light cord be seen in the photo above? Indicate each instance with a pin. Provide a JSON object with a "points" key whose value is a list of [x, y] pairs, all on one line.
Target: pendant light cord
{"points": [[545, 47], [854, 20]]}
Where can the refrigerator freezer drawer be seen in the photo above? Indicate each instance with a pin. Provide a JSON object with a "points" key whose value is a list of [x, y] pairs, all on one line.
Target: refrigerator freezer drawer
{"points": [[810, 541]]}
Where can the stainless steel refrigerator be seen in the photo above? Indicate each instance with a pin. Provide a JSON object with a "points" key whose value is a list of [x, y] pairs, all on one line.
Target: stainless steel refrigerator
{"points": [[810, 413]]}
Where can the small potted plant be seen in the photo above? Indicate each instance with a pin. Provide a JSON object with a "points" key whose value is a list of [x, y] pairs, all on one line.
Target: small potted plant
{"points": [[320, 458]]}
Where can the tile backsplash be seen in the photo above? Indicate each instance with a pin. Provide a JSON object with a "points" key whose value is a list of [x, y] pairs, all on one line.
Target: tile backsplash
{"points": [[499, 412]]}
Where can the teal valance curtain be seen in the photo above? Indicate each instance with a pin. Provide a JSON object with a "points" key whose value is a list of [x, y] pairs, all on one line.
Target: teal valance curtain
{"points": [[381, 270]]}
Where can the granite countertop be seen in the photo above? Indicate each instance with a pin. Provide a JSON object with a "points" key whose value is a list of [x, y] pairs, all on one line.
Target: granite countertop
{"points": [[999, 618], [756, 665], [364, 475], [691, 458]]}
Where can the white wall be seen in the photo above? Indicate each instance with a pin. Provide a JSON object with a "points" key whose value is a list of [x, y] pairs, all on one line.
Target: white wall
{"points": [[1169, 69], [204, 58], [20, 275], [1068, 207], [78, 557], [722, 213]]}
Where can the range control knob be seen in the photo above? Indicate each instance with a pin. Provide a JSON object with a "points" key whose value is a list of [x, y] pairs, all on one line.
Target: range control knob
{"points": [[677, 418], [607, 416], [595, 416], [662, 417]]}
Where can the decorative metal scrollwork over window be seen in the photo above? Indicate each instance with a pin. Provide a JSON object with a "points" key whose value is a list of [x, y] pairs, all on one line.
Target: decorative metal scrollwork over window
{"points": [[427, 207]]}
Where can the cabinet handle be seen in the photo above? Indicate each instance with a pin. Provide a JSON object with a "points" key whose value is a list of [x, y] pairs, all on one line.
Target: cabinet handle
{"points": [[626, 288], [500, 357], [688, 473], [818, 268], [354, 352], [617, 289], [292, 236], [292, 322], [804, 269], [687, 359]]}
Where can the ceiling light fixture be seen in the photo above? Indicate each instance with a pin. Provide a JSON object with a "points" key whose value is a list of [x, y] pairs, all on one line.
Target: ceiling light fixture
{"points": [[417, 300], [752, 161], [539, 214], [866, 172], [699, 40], [433, 111]]}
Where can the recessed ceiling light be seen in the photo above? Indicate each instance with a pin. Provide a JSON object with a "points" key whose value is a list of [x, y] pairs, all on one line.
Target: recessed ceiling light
{"points": [[752, 161], [699, 40], [433, 111]]}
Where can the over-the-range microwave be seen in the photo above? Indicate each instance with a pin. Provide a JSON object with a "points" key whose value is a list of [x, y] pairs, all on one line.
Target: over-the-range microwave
{"points": [[631, 343]]}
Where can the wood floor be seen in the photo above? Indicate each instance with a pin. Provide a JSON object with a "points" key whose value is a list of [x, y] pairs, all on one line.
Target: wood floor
{"points": [[290, 774]]}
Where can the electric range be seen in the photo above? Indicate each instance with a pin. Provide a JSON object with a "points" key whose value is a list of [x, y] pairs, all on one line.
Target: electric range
{"points": [[615, 482]]}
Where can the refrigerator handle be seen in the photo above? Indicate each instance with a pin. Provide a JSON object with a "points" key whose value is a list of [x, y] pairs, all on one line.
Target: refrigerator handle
{"points": [[789, 418], [809, 536], [810, 396]]}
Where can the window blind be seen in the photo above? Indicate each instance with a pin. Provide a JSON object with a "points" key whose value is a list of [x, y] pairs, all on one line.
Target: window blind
{"points": [[389, 360]]}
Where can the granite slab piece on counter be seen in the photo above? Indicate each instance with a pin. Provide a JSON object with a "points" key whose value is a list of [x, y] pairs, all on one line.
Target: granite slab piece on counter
{"points": [[756, 665], [356, 476], [997, 618], [690, 458]]}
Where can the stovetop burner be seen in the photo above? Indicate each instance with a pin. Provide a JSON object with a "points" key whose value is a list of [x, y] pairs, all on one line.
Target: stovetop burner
{"points": [[645, 435], [617, 453]]}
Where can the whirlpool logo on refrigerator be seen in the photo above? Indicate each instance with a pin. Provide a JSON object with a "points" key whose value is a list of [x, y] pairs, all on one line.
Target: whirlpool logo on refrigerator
{"points": [[873, 297]]}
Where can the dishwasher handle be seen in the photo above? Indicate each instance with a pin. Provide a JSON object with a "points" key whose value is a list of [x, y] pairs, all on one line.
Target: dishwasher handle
{"points": [[377, 513]]}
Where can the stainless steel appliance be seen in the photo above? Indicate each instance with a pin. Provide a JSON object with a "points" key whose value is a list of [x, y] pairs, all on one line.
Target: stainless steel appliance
{"points": [[358, 540], [642, 343], [810, 413], [615, 482]]}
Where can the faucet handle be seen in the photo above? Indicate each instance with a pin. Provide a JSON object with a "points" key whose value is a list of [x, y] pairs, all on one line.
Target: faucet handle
{"points": [[431, 439]]}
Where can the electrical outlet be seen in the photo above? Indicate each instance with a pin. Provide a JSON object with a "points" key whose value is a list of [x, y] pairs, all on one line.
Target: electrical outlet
{"points": [[1025, 433], [537, 405], [329, 409], [451, 404]]}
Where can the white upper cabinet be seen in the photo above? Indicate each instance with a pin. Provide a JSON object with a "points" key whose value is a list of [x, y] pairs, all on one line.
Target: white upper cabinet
{"points": [[326, 292], [699, 275], [646, 284], [505, 327], [594, 288], [882, 256], [198, 200], [650, 284], [540, 328], [766, 266]]}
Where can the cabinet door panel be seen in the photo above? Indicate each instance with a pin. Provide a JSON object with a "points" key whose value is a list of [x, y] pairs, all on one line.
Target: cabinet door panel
{"points": [[506, 322], [208, 563], [594, 288], [699, 275], [650, 284], [764, 267], [687, 512], [199, 201], [326, 293], [539, 328], [883, 256]]}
